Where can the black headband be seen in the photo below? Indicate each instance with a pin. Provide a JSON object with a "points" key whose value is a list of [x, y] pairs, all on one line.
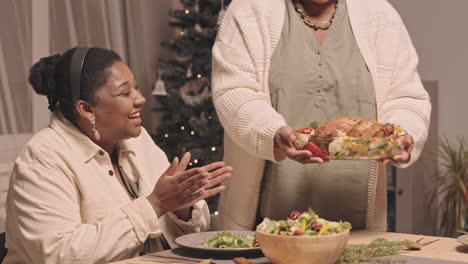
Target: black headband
{"points": [[77, 62]]}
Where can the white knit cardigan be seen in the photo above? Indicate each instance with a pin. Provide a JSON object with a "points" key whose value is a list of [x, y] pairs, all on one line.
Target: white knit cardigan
{"points": [[246, 40]]}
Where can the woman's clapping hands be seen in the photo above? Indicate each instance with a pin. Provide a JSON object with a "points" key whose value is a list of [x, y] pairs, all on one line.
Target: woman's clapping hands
{"points": [[179, 188]]}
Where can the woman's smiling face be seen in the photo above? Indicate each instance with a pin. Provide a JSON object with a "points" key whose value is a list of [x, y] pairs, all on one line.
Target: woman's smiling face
{"points": [[118, 105]]}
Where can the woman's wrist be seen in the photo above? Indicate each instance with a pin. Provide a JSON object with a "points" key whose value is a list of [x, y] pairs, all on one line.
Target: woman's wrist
{"points": [[154, 203], [278, 152], [184, 214]]}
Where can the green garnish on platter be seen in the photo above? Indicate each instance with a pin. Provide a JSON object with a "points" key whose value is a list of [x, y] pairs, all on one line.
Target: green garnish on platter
{"points": [[314, 124]]}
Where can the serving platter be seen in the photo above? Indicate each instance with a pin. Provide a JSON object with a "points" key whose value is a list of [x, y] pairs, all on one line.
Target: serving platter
{"points": [[463, 239]]}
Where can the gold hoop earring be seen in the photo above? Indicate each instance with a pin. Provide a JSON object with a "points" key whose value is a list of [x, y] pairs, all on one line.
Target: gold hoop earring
{"points": [[97, 136]]}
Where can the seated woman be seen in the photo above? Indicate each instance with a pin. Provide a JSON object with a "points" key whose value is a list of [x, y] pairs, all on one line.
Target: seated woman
{"points": [[93, 187]]}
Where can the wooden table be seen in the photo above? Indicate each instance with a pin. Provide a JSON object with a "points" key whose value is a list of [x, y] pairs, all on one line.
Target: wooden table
{"points": [[446, 249]]}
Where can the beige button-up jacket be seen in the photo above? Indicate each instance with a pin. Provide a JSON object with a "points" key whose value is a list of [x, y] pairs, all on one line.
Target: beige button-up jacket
{"points": [[65, 205]]}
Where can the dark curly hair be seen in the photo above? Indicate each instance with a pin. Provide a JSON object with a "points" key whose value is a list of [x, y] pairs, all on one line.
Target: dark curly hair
{"points": [[50, 76]]}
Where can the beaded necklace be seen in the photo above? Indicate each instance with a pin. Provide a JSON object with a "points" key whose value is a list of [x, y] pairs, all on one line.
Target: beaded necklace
{"points": [[299, 7]]}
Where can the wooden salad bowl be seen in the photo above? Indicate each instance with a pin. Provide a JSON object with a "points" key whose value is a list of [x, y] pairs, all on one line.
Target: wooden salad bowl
{"points": [[325, 249]]}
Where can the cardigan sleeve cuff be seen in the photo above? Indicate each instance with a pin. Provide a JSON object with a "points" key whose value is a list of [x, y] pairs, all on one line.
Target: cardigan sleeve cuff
{"points": [[267, 139], [249, 119], [198, 220], [142, 216], [173, 227]]}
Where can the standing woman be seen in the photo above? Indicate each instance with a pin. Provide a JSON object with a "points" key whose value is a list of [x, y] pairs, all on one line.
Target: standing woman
{"points": [[93, 187], [281, 64]]}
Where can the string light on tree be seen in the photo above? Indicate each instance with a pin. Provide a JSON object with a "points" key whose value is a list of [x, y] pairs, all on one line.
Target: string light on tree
{"points": [[199, 76], [192, 132], [166, 135], [213, 148], [182, 128], [195, 161]]}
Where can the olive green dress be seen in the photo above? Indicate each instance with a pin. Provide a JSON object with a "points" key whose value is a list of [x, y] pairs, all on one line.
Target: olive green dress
{"points": [[309, 82]]}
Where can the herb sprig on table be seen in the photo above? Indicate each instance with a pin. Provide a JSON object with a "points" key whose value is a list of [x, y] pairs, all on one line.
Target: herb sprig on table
{"points": [[372, 252]]}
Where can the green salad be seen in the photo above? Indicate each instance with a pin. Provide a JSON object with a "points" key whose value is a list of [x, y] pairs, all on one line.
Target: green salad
{"points": [[307, 223], [226, 239]]}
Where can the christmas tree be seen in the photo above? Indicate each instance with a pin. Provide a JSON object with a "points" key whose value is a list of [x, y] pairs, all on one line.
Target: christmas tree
{"points": [[183, 89]]}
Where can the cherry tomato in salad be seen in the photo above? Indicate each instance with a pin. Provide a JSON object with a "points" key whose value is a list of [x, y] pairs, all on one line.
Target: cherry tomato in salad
{"points": [[255, 243], [293, 215], [297, 232]]}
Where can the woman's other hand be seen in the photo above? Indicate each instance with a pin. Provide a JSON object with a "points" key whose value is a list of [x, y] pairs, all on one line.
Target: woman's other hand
{"points": [[217, 173], [178, 189], [284, 147], [404, 156]]}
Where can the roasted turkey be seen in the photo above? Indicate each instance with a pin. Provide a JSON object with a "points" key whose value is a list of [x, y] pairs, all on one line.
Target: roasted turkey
{"points": [[351, 126]]}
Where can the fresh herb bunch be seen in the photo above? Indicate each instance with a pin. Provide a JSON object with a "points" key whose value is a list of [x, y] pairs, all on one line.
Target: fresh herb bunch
{"points": [[372, 252]]}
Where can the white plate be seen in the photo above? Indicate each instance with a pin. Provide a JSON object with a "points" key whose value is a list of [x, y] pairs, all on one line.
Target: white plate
{"points": [[463, 239], [195, 241]]}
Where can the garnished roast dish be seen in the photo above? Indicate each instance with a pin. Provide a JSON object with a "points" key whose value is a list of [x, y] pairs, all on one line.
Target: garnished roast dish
{"points": [[350, 138]]}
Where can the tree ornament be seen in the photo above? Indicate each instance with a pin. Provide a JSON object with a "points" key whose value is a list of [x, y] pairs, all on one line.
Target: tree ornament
{"points": [[221, 13], [195, 91], [196, 7], [159, 87], [204, 115], [197, 26], [195, 99], [189, 73]]}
